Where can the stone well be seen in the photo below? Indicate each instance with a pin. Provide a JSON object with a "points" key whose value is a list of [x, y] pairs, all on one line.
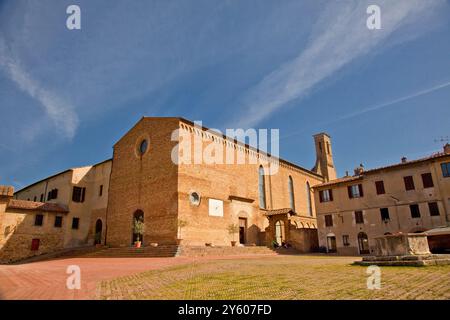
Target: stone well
{"points": [[403, 249]]}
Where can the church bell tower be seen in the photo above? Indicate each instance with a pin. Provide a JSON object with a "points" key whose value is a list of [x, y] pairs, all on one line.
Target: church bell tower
{"points": [[324, 157]]}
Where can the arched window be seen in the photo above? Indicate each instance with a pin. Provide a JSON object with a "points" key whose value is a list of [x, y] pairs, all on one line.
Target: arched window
{"points": [[363, 243], [262, 189], [308, 199], [279, 232], [291, 193], [98, 231]]}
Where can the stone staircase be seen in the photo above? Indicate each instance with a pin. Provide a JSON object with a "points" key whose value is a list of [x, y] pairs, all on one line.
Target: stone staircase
{"points": [[193, 251], [159, 251], [132, 252], [60, 254]]}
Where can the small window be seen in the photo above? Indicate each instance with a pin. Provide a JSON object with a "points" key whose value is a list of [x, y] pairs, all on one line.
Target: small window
{"points": [[326, 195], [355, 191], [78, 194], [35, 198], [434, 209], [415, 212], [38, 220], [52, 194], [75, 223], [194, 198], [42, 197], [345, 240], [100, 191], [427, 180], [384, 214], [143, 146], [328, 220], [359, 218], [58, 222], [445, 169], [409, 183], [35, 244], [380, 187], [261, 188]]}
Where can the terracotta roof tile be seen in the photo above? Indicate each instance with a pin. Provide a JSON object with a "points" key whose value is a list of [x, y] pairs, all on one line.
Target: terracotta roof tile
{"points": [[269, 213], [37, 206], [392, 166]]}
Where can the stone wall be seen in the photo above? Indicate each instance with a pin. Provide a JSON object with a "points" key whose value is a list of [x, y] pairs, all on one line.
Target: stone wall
{"points": [[146, 182], [235, 185], [304, 240], [18, 231]]}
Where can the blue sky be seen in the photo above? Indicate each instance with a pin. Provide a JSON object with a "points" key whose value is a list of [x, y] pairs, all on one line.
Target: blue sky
{"points": [[301, 66]]}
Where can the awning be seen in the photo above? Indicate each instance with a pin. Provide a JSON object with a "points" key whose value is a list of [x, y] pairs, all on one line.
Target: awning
{"points": [[289, 211], [438, 231]]}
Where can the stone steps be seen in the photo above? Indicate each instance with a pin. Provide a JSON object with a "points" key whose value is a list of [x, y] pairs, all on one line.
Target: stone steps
{"points": [[225, 251], [130, 252], [64, 253]]}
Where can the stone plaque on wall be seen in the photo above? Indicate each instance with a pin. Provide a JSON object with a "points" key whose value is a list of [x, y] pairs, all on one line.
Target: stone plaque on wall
{"points": [[215, 208]]}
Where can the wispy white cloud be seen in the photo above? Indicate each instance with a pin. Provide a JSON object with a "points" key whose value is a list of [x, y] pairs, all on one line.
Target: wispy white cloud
{"points": [[376, 107], [392, 102], [339, 37], [60, 112]]}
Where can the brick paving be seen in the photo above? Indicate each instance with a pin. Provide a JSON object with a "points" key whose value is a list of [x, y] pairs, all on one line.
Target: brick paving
{"points": [[47, 279], [220, 277]]}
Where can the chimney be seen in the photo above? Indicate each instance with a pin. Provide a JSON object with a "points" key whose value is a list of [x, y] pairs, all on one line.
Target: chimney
{"points": [[6, 192], [404, 159], [359, 170], [346, 173], [447, 148]]}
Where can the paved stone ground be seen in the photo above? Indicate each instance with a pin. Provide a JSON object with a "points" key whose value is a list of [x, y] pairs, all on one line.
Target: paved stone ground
{"points": [[243, 277], [47, 279], [280, 277]]}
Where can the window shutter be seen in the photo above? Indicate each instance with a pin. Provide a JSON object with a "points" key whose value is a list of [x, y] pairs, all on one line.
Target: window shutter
{"points": [[34, 244], [350, 194], [321, 196], [83, 192], [331, 194], [361, 193]]}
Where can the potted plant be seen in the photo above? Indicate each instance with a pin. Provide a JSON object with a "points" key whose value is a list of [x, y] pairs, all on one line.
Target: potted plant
{"points": [[98, 239], [233, 229], [181, 225], [138, 229]]}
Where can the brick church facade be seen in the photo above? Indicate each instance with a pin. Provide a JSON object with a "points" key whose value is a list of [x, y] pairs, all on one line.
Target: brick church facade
{"points": [[181, 202]]}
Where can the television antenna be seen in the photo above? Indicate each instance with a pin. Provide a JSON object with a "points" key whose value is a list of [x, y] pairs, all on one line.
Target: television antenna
{"points": [[442, 139]]}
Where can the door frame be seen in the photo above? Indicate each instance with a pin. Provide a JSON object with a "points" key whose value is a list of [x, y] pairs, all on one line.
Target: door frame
{"points": [[244, 233]]}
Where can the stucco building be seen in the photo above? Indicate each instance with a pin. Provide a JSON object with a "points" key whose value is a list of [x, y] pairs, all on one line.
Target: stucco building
{"points": [[155, 176], [410, 196]]}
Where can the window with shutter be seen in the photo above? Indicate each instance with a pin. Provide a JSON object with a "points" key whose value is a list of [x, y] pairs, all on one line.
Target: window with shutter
{"points": [[359, 218], [355, 191], [434, 209], [409, 183], [384, 214], [445, 169], [415, 212], [427, 180], [380, 187], [38, 220], [328, 220]]}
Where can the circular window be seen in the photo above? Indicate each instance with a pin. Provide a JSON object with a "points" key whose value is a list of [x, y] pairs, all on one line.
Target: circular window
{"points": [[143, 147], [194, 198]]}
